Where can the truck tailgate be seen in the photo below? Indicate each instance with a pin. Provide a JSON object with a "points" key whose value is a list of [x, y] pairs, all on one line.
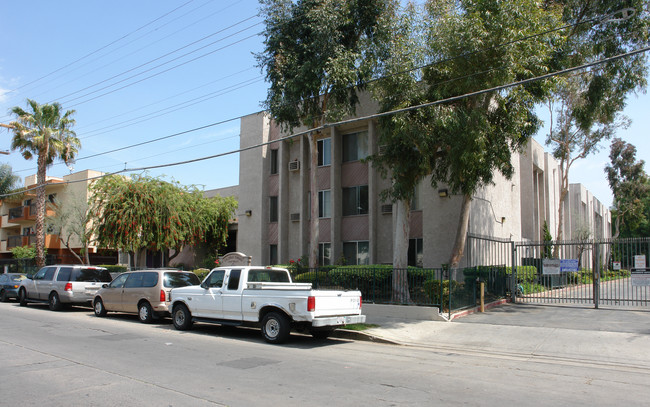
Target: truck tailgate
{"points": [[330, 303]]}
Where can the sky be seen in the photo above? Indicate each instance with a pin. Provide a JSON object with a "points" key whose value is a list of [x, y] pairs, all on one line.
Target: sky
{"points": [[137, 71]]}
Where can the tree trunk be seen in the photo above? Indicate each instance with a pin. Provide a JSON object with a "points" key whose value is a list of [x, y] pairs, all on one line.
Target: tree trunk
{"points": [[40, 208], [461, 233], [313, 193], [86, 254], [560, 221], [400, 253]]}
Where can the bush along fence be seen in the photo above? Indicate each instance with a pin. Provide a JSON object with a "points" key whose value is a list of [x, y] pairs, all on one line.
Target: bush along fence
{"points": [[449, 290]]}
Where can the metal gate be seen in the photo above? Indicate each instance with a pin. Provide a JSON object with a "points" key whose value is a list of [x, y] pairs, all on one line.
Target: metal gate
{"points": [[591, 272]]}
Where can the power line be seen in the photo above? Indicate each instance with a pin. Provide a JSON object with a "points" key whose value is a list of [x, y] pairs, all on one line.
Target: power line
{"points": [[363, 118], [101, 48]]}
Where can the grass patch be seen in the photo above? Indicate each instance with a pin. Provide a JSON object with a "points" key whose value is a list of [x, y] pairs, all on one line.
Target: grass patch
{"points": [[360, 327]]}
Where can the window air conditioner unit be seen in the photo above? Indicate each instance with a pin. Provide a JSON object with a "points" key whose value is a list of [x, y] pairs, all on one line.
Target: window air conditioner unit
{"points": [[294, 165], [295, 217], [387, 208]]}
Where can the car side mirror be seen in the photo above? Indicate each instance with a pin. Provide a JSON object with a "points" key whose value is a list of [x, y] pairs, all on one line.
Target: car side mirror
{"points": [[204, 285], [104, 285]]}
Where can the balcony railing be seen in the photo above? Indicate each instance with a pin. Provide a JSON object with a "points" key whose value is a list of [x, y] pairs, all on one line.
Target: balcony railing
{"points": [[15, 213], [14, 241]]}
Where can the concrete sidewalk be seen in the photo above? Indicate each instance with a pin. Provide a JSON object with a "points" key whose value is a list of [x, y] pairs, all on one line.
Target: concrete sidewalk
{"points": [[605, 335]]}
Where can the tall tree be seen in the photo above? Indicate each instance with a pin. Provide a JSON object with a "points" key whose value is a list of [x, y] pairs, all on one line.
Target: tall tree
{"points": [[317, 55], [8, 179], [45, 132], [148, 213], [590, 102], [400, 159], [475, 45], [629, 184], [70, 222]]}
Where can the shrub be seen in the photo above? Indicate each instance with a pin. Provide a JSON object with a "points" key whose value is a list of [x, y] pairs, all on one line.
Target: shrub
{"points": [[201, 273], [315, 278], [433, 290], [114, 268]]}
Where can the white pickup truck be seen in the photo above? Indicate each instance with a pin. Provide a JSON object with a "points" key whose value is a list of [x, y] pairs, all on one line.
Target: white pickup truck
{"points": [[265, 297]]}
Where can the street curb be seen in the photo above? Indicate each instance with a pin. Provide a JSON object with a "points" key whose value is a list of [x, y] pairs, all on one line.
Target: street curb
{"points": [[477, 309], [361, 336]]}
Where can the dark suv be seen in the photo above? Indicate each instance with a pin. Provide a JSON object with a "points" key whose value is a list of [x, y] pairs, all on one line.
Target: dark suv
{"points": [[63, 284]]}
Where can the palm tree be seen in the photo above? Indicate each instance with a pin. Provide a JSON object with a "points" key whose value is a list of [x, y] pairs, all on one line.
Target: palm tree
{"points": [[45, 133]]}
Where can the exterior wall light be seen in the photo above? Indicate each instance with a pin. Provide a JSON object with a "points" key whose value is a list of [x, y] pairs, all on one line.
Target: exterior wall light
{"points": [[443, 193]]}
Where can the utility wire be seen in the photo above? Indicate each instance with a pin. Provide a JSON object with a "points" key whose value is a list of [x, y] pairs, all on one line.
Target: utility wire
{"points": [[99, 49], [357, 119]]}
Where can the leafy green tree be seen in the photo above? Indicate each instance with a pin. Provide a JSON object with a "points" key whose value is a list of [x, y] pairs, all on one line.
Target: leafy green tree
{"points": [[47, 133], [588, 104], [317, 54], [23, 252], [548, 241], [149, 213], [8, 180], [70, 222], [629, 184]]}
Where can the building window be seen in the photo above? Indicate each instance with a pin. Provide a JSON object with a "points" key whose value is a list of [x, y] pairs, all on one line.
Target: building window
{"points": [[324, 152], [355, 200], [273, 254], [273, 209], [274, 161], [355, 146], [415, 252], [324, 204], [324, 252], [356, 253]]}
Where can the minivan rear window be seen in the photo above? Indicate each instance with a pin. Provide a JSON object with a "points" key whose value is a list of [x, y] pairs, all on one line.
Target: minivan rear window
{"points": [[88, 274], [180, 279]]}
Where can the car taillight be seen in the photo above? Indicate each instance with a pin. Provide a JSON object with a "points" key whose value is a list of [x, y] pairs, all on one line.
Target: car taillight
{"points": [[311, 304], [162, 296], [68, 287], [360, 302]]}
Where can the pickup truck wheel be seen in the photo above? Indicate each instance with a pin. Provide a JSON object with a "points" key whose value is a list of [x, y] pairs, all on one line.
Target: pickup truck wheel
{"points": [[181, 317], [22, 297], [145, 313], [275, 327], [54, 302], [99, 308], [321, 333]]}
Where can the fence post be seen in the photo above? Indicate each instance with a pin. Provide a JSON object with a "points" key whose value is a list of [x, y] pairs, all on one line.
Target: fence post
{"points": [[596, 276], [513, 274]]}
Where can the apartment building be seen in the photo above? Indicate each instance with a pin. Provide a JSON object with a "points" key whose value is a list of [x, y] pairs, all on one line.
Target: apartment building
{"points": [[17, 227], [356, 226]]}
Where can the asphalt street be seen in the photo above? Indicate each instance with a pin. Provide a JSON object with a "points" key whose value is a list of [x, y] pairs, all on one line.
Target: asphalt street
{"points": [[73, 358]]}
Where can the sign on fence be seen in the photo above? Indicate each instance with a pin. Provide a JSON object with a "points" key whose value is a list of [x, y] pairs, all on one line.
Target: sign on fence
{"points": [[551, 266], [640, 277], [568, 265], [639, 261], [616, 265]]}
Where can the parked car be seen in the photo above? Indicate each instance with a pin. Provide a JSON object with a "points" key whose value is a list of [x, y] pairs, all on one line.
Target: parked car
{"points": [[9, 284], [145, 292], [58, 285], [264, 297]]}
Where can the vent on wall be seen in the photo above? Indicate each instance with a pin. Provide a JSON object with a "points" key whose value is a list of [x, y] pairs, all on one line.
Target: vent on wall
{"points": [[295, 217], [387, 208], [382, 149], [294, 165]]}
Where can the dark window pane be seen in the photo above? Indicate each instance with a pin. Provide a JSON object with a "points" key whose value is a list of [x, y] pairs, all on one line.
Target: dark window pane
{"points": [[363, 253], [119, 281], [349, 201], [233, 280], [49, 274], [273, 209], [274, 161], [362, 209], [273, 254], [150, 279], [134, 281], [216, 278], [180, 279], [91, 274], [350, 253], [64, 274]]}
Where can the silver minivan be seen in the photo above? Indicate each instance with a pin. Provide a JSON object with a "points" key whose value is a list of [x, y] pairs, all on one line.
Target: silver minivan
{"points": [[142, 292], [62, 284]]}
